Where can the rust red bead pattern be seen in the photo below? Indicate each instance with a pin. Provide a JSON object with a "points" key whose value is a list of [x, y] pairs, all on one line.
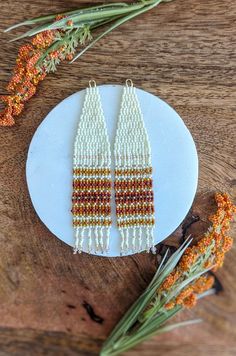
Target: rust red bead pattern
{"points": [[134, 199], [91, 198]]}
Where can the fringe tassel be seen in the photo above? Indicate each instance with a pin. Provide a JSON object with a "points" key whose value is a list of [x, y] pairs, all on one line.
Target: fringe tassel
{"points": [[79, 238], [76, 247], [133, 242], [153, 248], [101, 245], [133, 239], [126, 240], [107, 237], [140, 241], [89, 240], [92, 240], [96, 240], [148, 237], [122, 242]]}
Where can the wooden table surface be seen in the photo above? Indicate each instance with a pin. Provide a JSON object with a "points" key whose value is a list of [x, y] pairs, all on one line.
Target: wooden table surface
{"points": [[184, 52]]}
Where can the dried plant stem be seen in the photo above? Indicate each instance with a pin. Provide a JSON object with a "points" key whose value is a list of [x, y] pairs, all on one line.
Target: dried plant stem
{"points": [[178, 283], [55, 38]]}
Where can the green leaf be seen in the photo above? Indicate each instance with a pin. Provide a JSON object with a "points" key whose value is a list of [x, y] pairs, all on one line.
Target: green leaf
{"points": [[39, 19]]}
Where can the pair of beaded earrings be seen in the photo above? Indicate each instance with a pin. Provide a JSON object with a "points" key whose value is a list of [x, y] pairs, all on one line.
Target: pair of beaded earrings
{"points": [[92, 183]]}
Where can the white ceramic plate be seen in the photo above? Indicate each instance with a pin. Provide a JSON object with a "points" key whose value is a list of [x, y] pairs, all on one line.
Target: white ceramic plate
{"points": [[174, 157]]}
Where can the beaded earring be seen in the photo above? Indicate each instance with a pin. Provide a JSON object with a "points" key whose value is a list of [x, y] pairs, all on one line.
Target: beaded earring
{"points": [[133, 176], [91, 196]]}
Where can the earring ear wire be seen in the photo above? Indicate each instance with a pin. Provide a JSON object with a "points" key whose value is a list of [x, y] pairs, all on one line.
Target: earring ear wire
{"points": [[92, 83], [129, 83]]}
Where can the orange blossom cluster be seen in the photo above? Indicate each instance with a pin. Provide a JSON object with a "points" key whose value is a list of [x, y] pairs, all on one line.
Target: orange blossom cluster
{"points": [[210, 249]]}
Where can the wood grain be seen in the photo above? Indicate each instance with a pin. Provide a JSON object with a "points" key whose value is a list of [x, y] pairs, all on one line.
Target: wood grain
{"points": [[183, 52]]}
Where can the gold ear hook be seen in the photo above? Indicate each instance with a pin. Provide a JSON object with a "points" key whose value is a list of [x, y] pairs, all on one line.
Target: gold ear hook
{"points": [[129, 83], [92, 83]]}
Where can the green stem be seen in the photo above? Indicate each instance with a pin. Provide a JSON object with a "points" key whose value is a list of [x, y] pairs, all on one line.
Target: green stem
{"points": [[160, 331], [129, 341]]}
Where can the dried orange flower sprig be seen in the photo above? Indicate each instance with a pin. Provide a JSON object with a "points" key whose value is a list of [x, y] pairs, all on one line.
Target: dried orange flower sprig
{"points": [[55, 38], [177, 284], [208, 253], [25, 79], [34, 61]]}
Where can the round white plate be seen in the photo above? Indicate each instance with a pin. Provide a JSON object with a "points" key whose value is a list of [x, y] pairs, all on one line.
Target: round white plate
{"points": [[174, 158]]}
